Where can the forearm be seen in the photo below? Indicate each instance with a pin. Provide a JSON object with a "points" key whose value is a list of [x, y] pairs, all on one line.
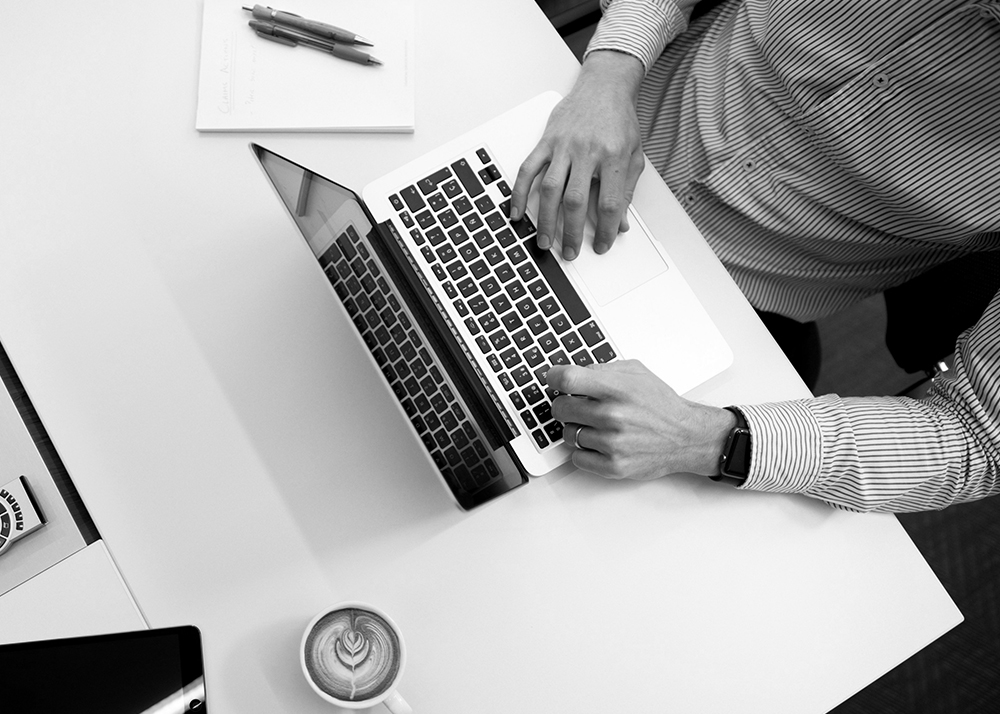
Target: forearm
{"points": [[882, 454]]}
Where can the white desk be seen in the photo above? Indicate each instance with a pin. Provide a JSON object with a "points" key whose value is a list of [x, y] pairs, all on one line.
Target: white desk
{"points": [[192, 369]]}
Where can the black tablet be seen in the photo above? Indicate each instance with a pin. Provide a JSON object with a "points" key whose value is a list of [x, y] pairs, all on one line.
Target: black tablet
{"points": [[142, 672]]}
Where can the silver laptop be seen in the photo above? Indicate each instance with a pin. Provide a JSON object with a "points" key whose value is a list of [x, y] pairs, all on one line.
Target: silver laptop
{"points": [[463, 314]]}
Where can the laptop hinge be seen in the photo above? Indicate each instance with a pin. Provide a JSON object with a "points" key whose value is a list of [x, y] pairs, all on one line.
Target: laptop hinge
{"points": [[482, 400]]}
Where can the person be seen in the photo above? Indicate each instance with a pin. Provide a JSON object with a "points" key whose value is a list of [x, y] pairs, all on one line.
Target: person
{"points": [[827, 151]]}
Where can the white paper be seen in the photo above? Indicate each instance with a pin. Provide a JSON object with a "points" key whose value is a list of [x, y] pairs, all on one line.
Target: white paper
{"points": [[248, 83]]}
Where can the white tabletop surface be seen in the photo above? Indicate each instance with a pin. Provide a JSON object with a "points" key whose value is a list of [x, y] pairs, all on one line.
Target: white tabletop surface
{"points": [[195, 374]]}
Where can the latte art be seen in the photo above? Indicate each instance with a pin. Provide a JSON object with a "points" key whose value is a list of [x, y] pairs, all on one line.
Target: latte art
{"points": [[353, 654]]}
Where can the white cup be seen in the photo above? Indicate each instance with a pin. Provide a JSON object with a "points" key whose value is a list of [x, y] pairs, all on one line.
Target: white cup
{"points": [[353, 655]]}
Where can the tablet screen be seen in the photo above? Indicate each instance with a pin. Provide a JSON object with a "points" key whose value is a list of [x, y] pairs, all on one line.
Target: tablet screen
{"points": [[145, 672]]}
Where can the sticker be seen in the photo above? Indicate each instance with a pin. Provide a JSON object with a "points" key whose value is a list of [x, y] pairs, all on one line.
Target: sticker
{"points": [[19, 515]]}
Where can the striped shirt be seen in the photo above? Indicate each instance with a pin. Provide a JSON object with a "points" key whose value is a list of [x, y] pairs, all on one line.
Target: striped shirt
{"points": [[828, 151]]}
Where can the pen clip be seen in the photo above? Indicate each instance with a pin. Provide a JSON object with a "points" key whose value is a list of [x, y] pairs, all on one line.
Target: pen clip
{"points": [[279, 40]]}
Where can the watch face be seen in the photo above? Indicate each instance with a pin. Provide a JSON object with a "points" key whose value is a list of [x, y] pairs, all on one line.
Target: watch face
{"points": [[737, 461]]}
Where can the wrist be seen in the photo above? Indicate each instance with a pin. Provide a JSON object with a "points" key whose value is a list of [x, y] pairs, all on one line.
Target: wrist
{"points": [[616, 72], [715, 426]]}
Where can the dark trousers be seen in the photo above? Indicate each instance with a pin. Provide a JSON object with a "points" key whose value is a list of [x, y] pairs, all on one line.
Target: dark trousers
{"points": [[800, 343]]}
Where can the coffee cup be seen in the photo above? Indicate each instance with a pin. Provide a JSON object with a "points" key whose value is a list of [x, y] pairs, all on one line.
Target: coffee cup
{"points": [[353, 655]]}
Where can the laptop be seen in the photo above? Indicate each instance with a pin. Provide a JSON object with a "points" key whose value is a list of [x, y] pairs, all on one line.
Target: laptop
{"points": [[464, 315]]}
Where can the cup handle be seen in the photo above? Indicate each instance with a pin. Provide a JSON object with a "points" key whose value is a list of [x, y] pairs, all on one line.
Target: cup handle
{"points": [[396, 704]]}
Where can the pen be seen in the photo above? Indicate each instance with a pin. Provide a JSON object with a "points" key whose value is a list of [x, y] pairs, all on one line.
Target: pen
{"points": [[290, 37], [320, 29]]}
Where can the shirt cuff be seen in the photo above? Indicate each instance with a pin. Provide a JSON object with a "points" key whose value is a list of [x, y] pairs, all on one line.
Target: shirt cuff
{"points": [[786, 442], [641, 28]]}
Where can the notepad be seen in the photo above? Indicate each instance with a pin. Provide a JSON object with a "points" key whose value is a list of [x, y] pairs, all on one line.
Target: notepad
{"points": [[247, 83]]}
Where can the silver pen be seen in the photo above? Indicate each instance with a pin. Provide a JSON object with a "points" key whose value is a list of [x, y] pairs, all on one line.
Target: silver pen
{"points": [[290, 37], [312, 27]]}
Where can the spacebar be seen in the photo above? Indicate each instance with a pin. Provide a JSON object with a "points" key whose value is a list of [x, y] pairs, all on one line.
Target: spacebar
{"points": [[559, 283]]}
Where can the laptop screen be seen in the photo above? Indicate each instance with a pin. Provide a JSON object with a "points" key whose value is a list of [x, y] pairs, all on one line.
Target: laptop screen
{"points": [[321, 209]]}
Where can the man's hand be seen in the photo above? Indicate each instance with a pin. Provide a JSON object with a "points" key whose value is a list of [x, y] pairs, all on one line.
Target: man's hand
{"points": [[592, 135], [633, 424]]}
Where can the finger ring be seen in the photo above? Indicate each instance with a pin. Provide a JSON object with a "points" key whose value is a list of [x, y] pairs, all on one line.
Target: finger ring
{"points": [[576, 436]]}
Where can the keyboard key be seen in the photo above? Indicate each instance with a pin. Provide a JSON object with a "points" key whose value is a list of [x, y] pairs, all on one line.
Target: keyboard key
{"points": [[414, 201], [549, 306], [511, 320], [526, 307], [517, 255], [516, 290], [506, 237], [446, 253], [536, 324], [462, 205], [521, 376], [493, 254], [548, 342], [591, 333], [489, 322], [500, 340], [490, 286], [485, 204], [532, 394], [480, 269], [478, 304], [457, 270], [540, 438], [447, 218], [425, 219], [435, 235], [554, 430], [437, 202], [538, 289], [469, 252], [560, 324], [468, 287], [571, 342], [473, 222], [522, 338], [495, 221], [468, 178], [543, 412], [533, 357], [427, 185], [483, 156], [451, 188], [458, 235], [604, 353], [524, 227]]}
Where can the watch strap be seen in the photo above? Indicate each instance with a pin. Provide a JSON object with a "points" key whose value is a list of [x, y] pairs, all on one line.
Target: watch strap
{"points": [[734, 463]]}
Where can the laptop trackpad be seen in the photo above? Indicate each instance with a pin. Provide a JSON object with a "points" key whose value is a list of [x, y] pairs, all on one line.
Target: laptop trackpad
{"points": [[632, 261]]}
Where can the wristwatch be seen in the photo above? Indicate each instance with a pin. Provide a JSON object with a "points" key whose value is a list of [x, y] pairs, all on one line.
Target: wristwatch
{"points": [[734, 462]]}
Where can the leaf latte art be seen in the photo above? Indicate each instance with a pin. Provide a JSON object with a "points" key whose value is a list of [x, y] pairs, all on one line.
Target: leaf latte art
{"points": [[353, 654]]}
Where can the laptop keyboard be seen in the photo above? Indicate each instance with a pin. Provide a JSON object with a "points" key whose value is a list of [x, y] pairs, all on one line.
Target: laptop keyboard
{"points": [[455, 445], [515, 301]]}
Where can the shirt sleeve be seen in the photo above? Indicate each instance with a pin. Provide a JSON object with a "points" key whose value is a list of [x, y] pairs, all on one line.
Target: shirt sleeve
{"points": [[890, 454], [641, 28]]}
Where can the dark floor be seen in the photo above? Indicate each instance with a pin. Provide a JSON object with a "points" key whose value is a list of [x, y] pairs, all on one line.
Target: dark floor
{"points": [[960, 672]]}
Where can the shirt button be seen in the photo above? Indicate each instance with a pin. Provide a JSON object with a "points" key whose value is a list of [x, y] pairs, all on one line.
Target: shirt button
{"points": [[749, 165], [881, 80], [690, 198]]}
